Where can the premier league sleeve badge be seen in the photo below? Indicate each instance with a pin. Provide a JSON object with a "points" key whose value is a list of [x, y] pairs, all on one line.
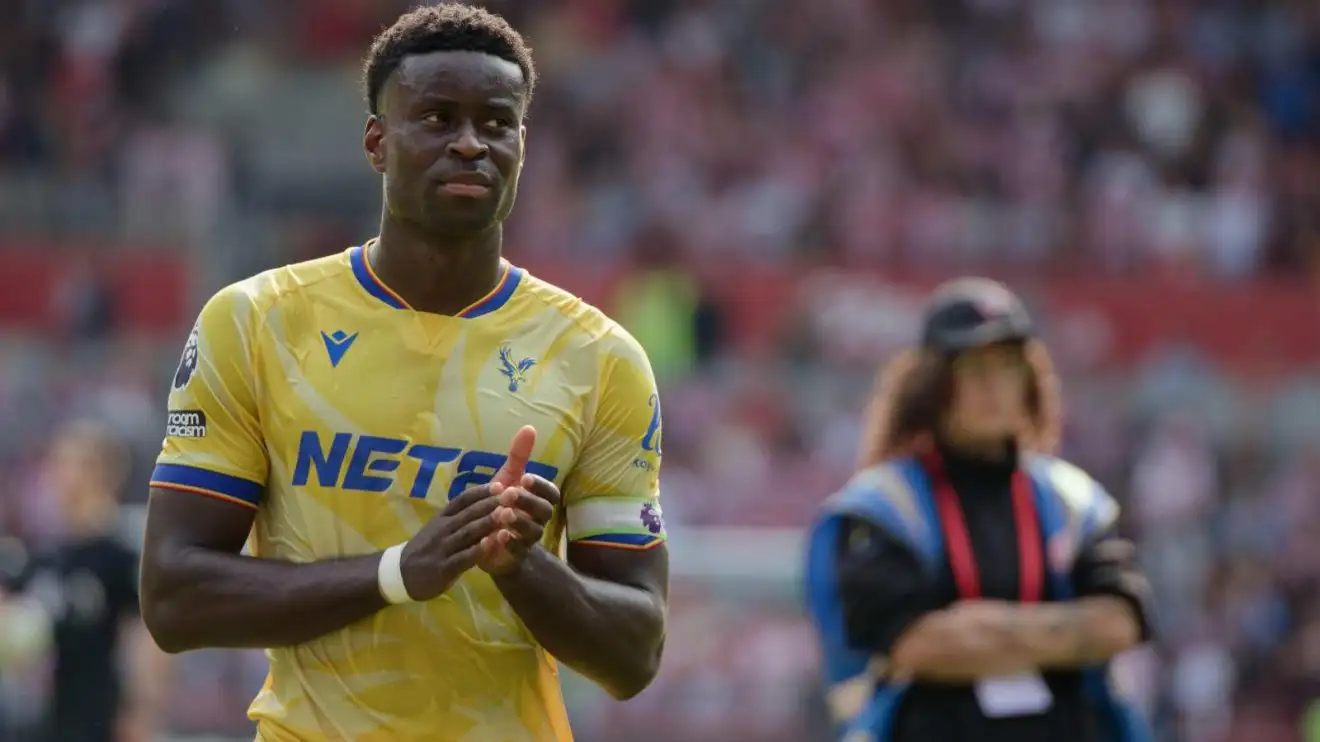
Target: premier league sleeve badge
{"points": [[188, 363]]}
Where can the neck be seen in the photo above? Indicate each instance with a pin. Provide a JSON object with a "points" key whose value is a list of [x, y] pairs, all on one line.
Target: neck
{"points": [[437, 274]]}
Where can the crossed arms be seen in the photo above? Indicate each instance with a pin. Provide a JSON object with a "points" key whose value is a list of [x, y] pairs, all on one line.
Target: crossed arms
{"points": [[986, 638], [891, 609]]}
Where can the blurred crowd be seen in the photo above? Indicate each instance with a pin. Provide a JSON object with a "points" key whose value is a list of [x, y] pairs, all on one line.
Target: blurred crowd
{"points": [[672, 136], [1122, 133]]}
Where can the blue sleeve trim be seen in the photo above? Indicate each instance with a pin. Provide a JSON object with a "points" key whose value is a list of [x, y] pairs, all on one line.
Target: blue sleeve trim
{"points": [[622, 540], [205, 481]]}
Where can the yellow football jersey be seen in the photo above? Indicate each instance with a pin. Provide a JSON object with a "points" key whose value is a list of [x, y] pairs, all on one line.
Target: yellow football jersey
{"points": [[314, 394]]}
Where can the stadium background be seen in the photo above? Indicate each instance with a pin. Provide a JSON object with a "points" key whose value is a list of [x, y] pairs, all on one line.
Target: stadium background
{"points": [[760, 190]]}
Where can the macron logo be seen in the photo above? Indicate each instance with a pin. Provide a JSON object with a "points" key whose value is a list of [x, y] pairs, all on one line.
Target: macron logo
{"points": [[337, 345]]}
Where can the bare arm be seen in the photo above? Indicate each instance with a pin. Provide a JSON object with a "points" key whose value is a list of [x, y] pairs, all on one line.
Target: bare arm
{"points": [[199, 591], [984, 638], [602, 613], [976, 639], [1070, 635]]}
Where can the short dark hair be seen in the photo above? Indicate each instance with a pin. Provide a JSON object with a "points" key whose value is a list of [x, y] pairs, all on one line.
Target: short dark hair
{"points": [[447, 27]]}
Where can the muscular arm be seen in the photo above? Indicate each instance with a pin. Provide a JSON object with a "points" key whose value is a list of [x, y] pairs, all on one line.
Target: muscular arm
{"points": [[199, 591], [602, 613]]}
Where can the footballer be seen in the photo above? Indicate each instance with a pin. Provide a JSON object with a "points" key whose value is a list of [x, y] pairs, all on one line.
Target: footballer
{"points": [[445, 469]]}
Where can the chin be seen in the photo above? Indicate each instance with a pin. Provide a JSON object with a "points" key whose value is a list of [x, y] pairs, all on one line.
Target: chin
{"points": [[462, 224]]}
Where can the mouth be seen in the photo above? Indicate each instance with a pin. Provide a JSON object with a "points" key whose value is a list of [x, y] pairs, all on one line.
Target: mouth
{"points": [[471, 190], [471, 185]]}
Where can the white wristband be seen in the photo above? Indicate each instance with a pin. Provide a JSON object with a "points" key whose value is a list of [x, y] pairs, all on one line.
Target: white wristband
{"points": [[390, 576]]}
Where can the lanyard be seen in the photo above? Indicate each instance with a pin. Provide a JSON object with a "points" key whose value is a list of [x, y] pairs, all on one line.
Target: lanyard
{"points": [[1031, 572]]}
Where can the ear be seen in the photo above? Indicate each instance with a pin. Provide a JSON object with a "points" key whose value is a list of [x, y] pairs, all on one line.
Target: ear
{"points": [[373, 143]]}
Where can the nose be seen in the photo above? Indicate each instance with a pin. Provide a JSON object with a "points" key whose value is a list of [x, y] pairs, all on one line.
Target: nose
{"points": [[467, 145]]}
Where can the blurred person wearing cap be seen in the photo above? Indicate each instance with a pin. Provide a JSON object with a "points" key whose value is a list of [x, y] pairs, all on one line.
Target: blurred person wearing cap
{"points": [[87, 586], [966, 584]]}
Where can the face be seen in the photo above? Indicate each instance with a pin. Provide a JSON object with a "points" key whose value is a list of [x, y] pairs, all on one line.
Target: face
{"points": [[449, 141], [78, 472], [990, 392]]}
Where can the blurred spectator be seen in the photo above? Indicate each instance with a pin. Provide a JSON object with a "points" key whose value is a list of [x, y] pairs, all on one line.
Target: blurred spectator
{"points": [[943, 133], [1174, 483], [86, 580]]}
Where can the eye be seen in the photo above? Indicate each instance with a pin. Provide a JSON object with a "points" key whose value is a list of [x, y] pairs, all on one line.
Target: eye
{"points": [[435, 117], [499, 124]]}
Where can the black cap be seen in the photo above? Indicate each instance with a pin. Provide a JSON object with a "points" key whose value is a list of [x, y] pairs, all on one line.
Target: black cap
{"points": [[974, 312]]}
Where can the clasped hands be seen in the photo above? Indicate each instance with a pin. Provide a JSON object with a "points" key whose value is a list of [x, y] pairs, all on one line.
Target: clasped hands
{"points": [[527, 502], [493, 526]]}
